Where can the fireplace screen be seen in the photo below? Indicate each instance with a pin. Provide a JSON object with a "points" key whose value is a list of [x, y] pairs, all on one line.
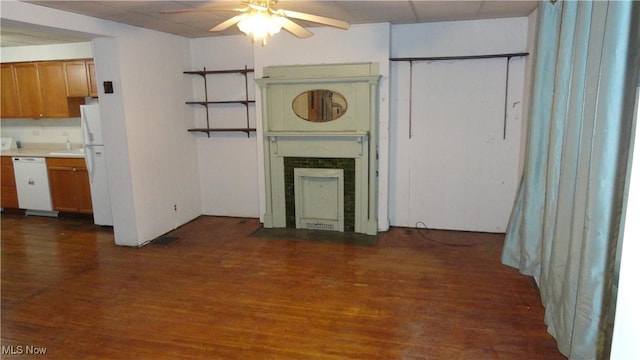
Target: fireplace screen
{"points": [[319, 198], [349, 187]]}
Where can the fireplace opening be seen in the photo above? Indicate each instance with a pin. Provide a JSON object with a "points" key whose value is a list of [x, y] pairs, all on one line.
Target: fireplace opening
{"points": [[348, 167]]}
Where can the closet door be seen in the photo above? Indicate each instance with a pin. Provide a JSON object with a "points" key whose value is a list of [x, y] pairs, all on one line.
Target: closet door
{"points": [[464, 155]]}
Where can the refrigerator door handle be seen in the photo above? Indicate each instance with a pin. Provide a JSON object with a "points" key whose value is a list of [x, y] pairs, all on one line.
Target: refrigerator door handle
{"points": [[88, 136], [84, 125], [90, 161]]}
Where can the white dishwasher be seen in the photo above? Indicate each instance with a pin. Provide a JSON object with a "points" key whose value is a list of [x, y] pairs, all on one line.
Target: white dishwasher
{"points": [[32, 183]]}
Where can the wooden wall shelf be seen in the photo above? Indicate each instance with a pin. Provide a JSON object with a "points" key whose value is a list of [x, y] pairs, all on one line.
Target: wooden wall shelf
{"points": [[213, 72], [206, 103], [210, 130]]}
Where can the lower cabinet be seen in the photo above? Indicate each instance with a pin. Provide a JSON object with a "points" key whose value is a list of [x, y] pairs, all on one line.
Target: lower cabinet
{"points": [[69, 184], [9, 194]]}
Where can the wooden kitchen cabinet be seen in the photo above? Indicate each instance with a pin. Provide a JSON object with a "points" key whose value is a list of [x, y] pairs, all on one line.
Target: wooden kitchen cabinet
{"points": [[53, 86], [76, 78], [29, 93], [9, 192], [80, 76], [69, 184], [93, 81], [40, 91], [10, 107]]}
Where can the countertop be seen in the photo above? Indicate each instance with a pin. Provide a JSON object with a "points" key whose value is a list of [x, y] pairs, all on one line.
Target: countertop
{"points": [[42, 150]]}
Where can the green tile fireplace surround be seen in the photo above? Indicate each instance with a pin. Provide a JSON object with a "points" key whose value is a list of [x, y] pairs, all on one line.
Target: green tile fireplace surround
{"points": [[345, 146]]}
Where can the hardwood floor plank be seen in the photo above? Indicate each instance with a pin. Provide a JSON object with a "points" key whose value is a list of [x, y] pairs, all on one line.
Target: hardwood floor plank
{"points": [[218, 293]]}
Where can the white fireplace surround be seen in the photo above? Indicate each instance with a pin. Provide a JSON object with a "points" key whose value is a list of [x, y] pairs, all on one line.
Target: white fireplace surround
{"points": [[353, 135]]}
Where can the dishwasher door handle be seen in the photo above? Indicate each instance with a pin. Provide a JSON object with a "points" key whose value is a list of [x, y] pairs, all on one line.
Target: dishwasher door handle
{"points": [[29, 159]]}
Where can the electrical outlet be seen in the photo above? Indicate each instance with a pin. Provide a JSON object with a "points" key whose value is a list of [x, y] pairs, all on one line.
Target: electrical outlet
{"points": [[175, 207]]}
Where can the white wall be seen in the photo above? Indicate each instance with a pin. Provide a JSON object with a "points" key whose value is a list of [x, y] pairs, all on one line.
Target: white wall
{"points": [[162, 155], [46, 52], [361, 43], [116, 143], [228, 162], [459, 38], [625, 345], [151, 159]]}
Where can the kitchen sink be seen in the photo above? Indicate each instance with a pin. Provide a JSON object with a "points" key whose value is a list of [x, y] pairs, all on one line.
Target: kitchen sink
{"points": [[70, 152]]}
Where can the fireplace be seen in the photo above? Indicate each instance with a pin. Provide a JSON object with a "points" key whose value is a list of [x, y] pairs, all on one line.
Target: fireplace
{"points": [[319, 132], [347, 201]]}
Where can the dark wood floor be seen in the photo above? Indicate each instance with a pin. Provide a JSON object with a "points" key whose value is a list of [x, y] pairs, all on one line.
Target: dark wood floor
{"points": [[218, 293]]}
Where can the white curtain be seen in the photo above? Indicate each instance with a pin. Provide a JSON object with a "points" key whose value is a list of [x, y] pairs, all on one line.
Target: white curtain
{"points": [[565, 223]]}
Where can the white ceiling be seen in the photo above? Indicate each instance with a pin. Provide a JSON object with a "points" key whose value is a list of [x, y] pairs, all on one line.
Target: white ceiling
{"points": [[146, 14]]}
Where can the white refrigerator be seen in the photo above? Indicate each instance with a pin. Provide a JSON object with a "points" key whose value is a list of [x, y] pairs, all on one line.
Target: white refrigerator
{"points": [[96, 166]]}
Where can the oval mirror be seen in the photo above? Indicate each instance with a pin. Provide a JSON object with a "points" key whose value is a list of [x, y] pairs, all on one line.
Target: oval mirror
{"points": [[319, 105]]}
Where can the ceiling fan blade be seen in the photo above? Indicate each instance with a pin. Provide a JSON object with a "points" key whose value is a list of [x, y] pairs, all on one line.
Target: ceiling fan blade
{"points": [[227, 23], [295, 29], [203, 9], [316, 19]]}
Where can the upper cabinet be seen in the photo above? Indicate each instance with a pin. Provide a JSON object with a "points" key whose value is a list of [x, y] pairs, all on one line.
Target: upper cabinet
{"points": [[45, 89], [81, 78], [29, 91], [10, 106], [93, 81], [55, 103]]}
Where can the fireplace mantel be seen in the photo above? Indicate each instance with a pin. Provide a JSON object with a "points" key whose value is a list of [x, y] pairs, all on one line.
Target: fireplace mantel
{"points": [[352, 136]]}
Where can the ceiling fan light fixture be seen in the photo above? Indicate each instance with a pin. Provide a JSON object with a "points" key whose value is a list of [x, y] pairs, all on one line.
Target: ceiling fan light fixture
{"points": [[259, 20], [260, 25]]}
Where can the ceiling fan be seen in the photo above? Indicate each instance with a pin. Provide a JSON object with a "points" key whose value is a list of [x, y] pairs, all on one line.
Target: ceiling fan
{"points": [[260, 19]]}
